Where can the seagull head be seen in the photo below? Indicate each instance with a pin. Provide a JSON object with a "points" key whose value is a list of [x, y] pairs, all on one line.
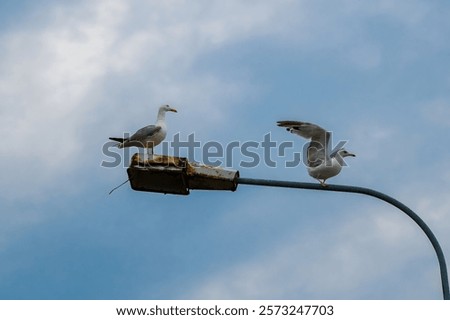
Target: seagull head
{"points": [[167, 108], [344, 153], [340, 155]]}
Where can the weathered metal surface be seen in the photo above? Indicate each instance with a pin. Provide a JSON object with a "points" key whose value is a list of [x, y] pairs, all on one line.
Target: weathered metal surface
{"points": [[160, 174], [175, 175], [202, 177], [158, 160]]}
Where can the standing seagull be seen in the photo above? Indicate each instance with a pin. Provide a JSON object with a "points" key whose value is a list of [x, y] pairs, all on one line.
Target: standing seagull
{"points": [[321, 164], [150, 136]]}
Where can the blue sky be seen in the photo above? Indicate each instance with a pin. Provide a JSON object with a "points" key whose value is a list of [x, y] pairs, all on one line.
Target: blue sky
{"points": [[71, 75]]}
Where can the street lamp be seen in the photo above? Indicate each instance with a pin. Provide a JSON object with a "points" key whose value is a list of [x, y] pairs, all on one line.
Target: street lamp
{"points": [[176, 175]]}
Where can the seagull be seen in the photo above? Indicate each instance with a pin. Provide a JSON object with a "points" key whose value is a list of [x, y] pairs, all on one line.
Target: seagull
{"points": [[149, 136], [321, 164]]}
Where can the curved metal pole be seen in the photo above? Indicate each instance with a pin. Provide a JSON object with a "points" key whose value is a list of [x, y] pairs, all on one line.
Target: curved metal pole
{"points": [[369, 192]]}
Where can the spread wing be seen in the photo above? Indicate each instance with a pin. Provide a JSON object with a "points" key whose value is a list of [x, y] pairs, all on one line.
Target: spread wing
{"points": [[317, 148]]}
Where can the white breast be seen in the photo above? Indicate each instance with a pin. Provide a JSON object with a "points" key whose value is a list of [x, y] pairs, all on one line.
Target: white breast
{"points": [[325, 170]]}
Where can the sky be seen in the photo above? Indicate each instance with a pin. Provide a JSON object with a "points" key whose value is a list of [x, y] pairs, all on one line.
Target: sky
{"points": [[72, 74]]}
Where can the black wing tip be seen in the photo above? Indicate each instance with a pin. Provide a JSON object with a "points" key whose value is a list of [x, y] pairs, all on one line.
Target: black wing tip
{"points": [[117, 139], [290, 123], [284, 123]]}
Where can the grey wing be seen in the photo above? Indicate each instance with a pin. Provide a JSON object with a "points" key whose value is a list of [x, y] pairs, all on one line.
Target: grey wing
{"points": [[304, 129], [318, 147], [144, 133], [317, 151]]}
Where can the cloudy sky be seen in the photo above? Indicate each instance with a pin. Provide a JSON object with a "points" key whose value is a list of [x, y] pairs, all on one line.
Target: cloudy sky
{"points": [[74, 73]]}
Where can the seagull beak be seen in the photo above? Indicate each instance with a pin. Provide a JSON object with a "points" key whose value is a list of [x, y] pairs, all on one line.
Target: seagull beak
{"points": [[352, 155], [173, 110]]}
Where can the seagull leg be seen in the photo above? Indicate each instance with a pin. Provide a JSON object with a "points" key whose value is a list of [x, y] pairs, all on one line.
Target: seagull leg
{"points": [[149, 152], [322, 182]]}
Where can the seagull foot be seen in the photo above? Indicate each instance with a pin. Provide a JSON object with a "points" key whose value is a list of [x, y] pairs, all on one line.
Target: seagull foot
{"points": [[323, 184]]}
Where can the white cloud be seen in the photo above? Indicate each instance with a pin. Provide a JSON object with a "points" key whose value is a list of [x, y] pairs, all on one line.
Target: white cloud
{"points": [[56, 76], [47, 75], [53, 75]]}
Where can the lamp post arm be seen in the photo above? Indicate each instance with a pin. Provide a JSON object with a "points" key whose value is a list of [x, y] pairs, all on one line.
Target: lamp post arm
{"points": [[372, 193]]}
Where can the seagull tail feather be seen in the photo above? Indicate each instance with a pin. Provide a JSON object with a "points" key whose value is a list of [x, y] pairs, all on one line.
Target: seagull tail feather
{"points": [[121, 140]]}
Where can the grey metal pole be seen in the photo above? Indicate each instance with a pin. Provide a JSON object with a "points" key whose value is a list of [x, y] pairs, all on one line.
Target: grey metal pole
{"points": [[369, 192]]}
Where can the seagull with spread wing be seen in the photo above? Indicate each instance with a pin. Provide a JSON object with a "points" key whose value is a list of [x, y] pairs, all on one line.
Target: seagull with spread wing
{"points": [[321, 164], [150, 136]]}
